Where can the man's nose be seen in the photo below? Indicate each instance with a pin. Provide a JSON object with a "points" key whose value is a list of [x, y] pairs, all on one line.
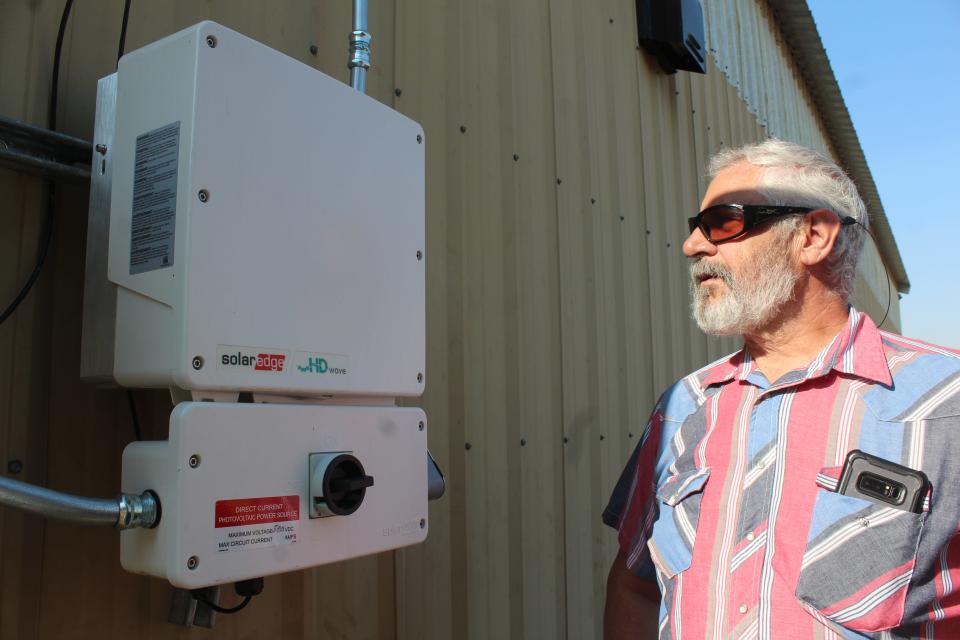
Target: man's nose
{"points": [[697, 244]]}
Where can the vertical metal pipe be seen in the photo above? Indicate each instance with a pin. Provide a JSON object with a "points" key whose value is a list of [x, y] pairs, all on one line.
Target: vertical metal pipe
{"points": [[359, 47]]}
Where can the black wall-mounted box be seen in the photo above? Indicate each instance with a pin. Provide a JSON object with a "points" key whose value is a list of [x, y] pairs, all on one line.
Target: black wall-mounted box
{"points": [[672, 30]]}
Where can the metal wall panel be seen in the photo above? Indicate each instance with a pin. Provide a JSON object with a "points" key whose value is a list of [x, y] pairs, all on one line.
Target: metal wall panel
{"points": [[561, 165]]}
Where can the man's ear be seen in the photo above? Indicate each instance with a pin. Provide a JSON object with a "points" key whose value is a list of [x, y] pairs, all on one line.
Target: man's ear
{"points": [[819, 233]]}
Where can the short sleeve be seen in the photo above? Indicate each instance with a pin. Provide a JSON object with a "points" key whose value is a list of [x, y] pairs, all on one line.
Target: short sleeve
{"points": [[632, 507]]}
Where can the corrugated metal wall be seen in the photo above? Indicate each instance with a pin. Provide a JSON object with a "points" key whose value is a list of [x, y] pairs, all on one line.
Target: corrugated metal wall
{"points": [[561, 165]]}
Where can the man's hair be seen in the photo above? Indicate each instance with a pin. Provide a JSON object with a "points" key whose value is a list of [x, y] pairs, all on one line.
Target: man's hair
{"points": [[798, 176]]}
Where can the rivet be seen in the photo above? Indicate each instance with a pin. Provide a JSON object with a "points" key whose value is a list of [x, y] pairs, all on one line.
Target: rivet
{"points": [[314, 49], [211, 41], [523, 442], [194, 461], [515, 157], [621, 218], [192, 562], [559, 181], [203, 195], [397, 92], [419, 255], [601, 437], [419, 377], [593, 201], [14, 466], [419, 138], [463, 129], [566, 439], [468, 446], [197, 363], [420, 426], [629, 435], [423, 523]]}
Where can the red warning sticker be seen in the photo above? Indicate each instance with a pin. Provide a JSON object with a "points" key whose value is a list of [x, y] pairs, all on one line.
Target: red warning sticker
{"points": [[247, 511], [250, 523]]}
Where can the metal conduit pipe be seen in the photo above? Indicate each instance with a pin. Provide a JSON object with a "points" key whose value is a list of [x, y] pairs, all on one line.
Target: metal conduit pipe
{"points": [[359, 47], [127, 511]]}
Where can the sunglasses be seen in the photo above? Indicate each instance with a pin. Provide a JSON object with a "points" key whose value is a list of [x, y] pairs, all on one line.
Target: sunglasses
{"points": [[724, 222]]}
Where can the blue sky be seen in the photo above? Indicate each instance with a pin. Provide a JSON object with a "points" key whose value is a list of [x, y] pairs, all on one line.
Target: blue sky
{"points": [[897, 66]]}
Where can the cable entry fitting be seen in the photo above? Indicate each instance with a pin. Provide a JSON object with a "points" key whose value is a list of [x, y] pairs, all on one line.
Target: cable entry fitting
{"points": [[126, 511]]}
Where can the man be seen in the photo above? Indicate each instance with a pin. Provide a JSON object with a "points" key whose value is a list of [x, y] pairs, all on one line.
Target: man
{"points": [[731, 514]]}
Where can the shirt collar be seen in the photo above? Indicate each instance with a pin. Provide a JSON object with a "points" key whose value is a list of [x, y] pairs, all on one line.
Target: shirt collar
{"points": [[857, 350]]}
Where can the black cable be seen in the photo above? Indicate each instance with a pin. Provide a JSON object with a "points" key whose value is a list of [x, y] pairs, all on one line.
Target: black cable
{"points": [[133, 414], [885, 272], [200, 598], [47, 233], [123, 29]]}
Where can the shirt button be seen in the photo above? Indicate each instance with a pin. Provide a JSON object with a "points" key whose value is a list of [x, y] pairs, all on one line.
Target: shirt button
{"points": [[750, 536], [743, 608]]}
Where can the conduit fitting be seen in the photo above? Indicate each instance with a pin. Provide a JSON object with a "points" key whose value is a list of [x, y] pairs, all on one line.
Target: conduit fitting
{"points": [[359, 59], [127, 511]]}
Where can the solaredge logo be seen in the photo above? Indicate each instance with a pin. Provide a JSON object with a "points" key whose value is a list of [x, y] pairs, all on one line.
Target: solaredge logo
{"points": [[252, 359]]}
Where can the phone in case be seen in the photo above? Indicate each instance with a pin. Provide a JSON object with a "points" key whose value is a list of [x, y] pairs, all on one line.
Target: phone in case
{"points": [[871, 478]]}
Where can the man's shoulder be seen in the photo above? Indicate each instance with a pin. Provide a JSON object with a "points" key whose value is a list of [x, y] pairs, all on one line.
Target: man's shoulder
{"points": [[687, 394], [926, 380]]}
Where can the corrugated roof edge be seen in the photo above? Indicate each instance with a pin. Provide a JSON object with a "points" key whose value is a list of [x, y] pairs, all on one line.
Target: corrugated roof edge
{"points": [[800, 31]]}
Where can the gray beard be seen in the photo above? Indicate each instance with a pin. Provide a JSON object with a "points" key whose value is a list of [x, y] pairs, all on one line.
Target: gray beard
{"points": [[751, 301]]}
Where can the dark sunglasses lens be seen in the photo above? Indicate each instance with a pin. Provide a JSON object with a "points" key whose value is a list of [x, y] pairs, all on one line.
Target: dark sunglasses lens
{"points": [[722, 222]]}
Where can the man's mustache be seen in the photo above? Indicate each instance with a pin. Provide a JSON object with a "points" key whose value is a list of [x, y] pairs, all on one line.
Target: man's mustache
{"points": [[702, 269]]}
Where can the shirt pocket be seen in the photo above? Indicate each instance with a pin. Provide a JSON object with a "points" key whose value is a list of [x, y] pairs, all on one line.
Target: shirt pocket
{"points": [[675, 530], [859, 561]]}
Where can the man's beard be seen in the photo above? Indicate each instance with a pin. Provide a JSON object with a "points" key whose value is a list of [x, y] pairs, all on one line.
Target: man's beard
{"points": [[751, 300]]}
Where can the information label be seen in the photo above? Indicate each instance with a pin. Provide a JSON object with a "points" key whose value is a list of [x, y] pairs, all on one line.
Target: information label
{"points": [[154, 199], [252, 523]]}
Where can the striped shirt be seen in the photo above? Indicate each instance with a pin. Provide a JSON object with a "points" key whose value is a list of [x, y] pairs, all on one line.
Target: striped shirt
{"points": [[730, 499]]}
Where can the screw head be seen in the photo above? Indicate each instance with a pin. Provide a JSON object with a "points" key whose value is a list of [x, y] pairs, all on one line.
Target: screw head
{"points": [[203, 195], [516, 157], [559, 181], [192, 562], [14, 466], [468, 446], [194, 461], [314, 49], [419, 377], [398, 92], [423, 523], [419, 255], [419, 138], [523, 442], [463, 129], [212, 42], [197, 363], [420, 426]]}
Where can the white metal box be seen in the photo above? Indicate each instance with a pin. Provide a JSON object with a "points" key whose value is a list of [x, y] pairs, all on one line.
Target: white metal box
{"points": [[266, 226], [234, 495]]}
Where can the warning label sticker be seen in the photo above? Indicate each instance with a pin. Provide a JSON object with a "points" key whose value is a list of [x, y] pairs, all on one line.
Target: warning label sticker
{"points": [[154, 199], [251, 523]]}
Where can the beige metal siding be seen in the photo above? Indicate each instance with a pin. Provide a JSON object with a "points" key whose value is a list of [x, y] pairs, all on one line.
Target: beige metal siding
{"points": [[561, 165]]}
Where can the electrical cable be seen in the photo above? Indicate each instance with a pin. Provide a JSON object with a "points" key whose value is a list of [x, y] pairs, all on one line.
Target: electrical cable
{"points": [[885, 272], [47, 233], [123, 30], [133, 415], [218, 608]]}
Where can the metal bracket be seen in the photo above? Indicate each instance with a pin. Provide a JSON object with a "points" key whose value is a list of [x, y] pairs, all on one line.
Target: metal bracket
{"points": [[187, 611]]}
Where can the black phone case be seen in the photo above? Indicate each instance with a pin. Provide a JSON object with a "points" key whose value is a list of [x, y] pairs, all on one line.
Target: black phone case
{"points": [[916, 483]]}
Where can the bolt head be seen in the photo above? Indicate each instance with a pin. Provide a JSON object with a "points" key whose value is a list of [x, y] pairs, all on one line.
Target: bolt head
{"points": [[423, 523], [420, 426], [192, 562], [203, 195], [398, 92], [314, 49], [419, 138], [197, 363], [419, 255], [419, 377], [194, 461], [212, 42]]}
